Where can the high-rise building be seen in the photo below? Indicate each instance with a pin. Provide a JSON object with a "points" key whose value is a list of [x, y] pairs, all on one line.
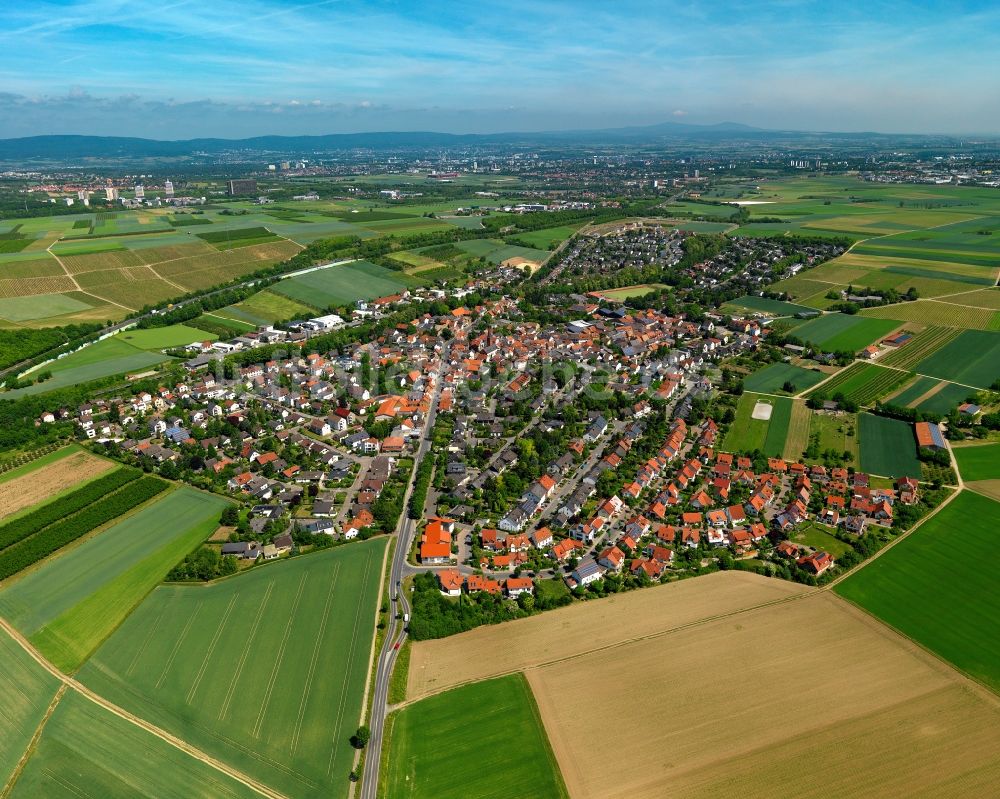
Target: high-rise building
{"points": [[241, 188], [140, 191], [111, 193], [168, 188]]}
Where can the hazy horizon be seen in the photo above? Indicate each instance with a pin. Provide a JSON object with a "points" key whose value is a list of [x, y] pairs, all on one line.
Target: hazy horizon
{"points": [[228, 69]]}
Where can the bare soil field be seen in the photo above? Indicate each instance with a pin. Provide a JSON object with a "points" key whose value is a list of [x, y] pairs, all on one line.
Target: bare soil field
{"points": [[586, 627], [808, 698], [37, 486], [989, 488]]}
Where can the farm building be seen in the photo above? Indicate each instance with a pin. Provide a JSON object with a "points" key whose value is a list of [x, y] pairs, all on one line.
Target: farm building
{"points": [[929, 436]]}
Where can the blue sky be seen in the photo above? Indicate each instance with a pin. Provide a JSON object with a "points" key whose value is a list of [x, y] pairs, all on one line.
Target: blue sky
{"points": [[183, 68]]}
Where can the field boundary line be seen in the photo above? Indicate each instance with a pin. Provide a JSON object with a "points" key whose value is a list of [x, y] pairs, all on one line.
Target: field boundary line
{"points": [[350, 661], [138, 721], [307, 685], [211, 648], [177, 645], [604, 647], [149, 636], [246, 652], [33, 743], [278, 660]]}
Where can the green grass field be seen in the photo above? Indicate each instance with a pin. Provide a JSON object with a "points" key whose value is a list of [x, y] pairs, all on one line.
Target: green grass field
{"points": [[627, 292], [39, 306], [25, 692], [936, 588], [816, 536], [156, 338], [265, 670], [839, 332], [837, 432], [87, 751], [973, 359], [543, 239], [887, 446], [484, 740], [747, 434], [979, 462], [771, 378], [266, 307], [342, 285], [75, 599]]}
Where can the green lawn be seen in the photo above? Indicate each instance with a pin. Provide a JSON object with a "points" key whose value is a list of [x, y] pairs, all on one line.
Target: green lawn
{"points": [[74, 600], [484, 740], [87, 751], [25, 692], [937, 587], [265, 670], [973, 359], [979, 462], [888, 446], [543, 239], [839, 332], [814, 535], [771, 378]]}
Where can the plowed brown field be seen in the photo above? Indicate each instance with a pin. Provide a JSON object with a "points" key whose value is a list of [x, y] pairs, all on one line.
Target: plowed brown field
{"points": [[40, 484]]}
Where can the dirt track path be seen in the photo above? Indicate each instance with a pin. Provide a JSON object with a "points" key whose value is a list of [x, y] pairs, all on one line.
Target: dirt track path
{"points": [[173, 740]]}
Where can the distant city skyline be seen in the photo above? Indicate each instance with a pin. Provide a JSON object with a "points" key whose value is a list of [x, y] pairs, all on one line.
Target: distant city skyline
{"points": [[189, 68]]}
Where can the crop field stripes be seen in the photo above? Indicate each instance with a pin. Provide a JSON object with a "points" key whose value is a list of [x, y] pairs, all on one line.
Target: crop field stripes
{"points": [[307, 686], [177, 645], [923, 344], [33, 743], [211, 649], [277, 661], [350, 660], [149, 637], [224, 710]]}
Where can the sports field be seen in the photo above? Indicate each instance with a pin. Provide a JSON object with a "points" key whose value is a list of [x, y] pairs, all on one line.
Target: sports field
{"points": [[887, 446], [87, 751], [25, 692], [265, 670], [455, 744], [343, 285], [72, 601], [839, 332], [747, 434], [627, 292], [74, 468], [771, 378], [973, 358], [158, 338], [979, 461], [933, 586]]}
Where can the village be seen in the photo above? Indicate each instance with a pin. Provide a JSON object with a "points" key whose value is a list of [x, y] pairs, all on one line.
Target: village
{"points": [[582, 451]]}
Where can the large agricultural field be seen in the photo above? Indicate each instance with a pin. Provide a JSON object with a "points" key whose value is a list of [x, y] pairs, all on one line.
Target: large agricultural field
{"points": [[86, 750], [343, 285], [837, 332], [933, 588], [888, 446], [454, 744], [72, 601], [973, 359], [938, 312], [704, 631], [265, 671], [978, 461], [772, 378]]}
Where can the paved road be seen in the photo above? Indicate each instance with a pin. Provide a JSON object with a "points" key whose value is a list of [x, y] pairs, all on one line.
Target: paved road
{"points": [[399, 608]]}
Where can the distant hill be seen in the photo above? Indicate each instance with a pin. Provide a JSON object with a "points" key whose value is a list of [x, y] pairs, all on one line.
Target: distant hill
{"points": [[112, 147]]}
